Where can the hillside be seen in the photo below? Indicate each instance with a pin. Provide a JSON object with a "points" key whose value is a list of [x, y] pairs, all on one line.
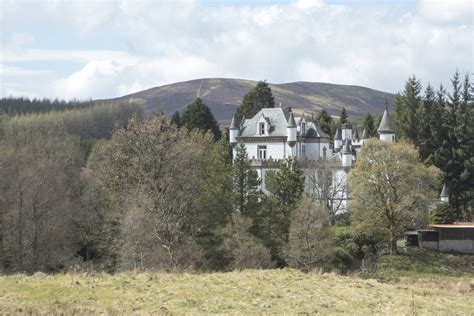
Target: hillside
{"points": [[224, 95]]}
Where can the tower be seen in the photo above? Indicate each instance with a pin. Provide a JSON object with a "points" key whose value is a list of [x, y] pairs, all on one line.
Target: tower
{"points": [[365, 136], [346, 155], [385, 131], [444, 196], [291, 131], [233, 132], [337, 139], [346, 131]]}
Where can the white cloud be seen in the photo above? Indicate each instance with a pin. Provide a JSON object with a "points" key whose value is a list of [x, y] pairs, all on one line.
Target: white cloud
{"points": [[12, 71], [452, 11], [64, 55], [162, 42]]}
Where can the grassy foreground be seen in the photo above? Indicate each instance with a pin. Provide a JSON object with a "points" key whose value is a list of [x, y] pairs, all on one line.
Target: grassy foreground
{"points": [[251, 291]]}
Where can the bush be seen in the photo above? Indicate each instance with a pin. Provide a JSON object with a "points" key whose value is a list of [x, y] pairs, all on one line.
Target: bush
{"points": [[241, 248]]}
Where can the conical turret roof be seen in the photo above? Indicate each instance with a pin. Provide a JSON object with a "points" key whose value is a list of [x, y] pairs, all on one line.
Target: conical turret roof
{"points": [[356, 135], [233, 124], [365, 135], [291, 121], [338, 135], [385, 124], [346, 149], [444, 192]]}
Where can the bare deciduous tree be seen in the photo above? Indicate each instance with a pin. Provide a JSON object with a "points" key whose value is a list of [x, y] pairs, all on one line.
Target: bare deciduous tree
{"points": [[311, 243], [327, 185]]}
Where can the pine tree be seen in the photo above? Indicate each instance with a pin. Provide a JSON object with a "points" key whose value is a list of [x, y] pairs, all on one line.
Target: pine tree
{"points": [[369, 125], [198, 115], [343, 118], [287, 184], [324, 120], [406, 107], [245, 183], [425, 117], [256, 99], [272, 222], [175, 119], [214, 202]]}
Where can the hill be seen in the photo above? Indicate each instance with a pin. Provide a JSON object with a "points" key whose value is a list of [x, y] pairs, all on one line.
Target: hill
{"points": [[224, 95]]}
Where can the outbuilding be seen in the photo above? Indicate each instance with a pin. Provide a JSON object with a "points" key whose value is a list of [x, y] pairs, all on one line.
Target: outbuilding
{"points": [[457, 237]]}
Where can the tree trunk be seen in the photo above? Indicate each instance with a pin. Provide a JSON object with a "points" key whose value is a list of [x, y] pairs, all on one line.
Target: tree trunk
{"points": [[2, 247], [20, 234], [393, 244]]}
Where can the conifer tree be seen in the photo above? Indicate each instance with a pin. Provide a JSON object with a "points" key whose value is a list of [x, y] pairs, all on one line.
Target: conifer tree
{"points": [[175, 119], [425, 113], [324, 120], [343, 118], [245, 183], [406, 108], [369, 125], [198, 115], [272, 221], [256, 99]]}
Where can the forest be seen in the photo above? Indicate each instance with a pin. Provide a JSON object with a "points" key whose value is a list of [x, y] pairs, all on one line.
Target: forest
{"points": [[100, 186]]}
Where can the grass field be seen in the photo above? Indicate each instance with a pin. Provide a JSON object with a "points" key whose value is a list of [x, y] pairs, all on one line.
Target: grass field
{"points": [[252, 291]]}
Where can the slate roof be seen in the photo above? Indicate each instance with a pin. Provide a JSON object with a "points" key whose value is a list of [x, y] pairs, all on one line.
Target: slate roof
{"points": [[444, 192], [347, 148], [278, 118], [291, 121], [385, 124], [365, 135], [233, 124], [356, 135]]}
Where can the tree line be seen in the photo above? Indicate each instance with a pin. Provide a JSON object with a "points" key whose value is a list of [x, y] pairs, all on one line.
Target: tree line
{"points": [[106, 188]]}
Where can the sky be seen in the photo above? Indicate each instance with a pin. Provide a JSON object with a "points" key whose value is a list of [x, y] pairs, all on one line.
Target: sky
{"points": [[103, 49]]}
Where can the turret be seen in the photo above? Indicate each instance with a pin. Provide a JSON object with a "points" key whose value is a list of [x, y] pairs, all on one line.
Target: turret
{"points": [[233, 132], [385, 131], [337, 139], [346, 131], [346, 155], [291, 131], [444, 196], [365, 135], [356, 136]]}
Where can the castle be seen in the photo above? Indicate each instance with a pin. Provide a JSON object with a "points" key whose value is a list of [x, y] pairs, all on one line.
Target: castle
{"points": [[276, 134]]}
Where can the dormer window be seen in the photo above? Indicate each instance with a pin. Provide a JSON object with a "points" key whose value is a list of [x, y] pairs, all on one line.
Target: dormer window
{"points": [[303, 128], [261, 128]]}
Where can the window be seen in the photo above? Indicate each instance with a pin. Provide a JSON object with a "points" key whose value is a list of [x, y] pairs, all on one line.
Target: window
{"points": [[262, 128], [262, 152], [303, 150], [303, 128]]}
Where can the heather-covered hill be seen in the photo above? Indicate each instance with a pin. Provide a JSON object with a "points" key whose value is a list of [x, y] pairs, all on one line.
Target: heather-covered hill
{"points": [[224, 95]]}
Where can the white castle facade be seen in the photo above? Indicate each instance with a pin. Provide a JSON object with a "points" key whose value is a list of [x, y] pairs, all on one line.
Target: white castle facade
{"points": [[276, 134]]}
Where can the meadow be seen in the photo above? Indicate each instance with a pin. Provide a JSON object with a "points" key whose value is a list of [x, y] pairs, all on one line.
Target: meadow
{"points": [[279, 291]]}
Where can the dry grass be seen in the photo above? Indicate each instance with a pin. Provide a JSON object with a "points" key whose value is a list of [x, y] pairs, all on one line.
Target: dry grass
{"points": [[253, 291]]}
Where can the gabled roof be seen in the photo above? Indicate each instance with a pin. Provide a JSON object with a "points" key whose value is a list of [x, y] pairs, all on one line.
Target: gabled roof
{"points": [[338, 135], [385, 124], [279, 119]]}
